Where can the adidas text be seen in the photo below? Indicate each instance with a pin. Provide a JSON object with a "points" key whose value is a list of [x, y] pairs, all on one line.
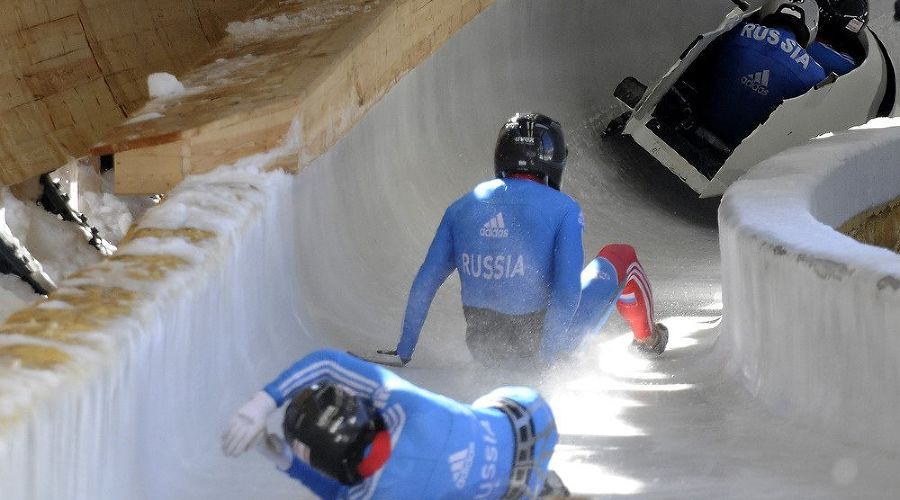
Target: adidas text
{"points": [[495, 228], [494, 232], [757, 82], [460, 465]]}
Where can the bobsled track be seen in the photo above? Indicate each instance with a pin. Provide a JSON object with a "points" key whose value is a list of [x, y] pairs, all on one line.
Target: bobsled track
{"points": [[274, 265]]}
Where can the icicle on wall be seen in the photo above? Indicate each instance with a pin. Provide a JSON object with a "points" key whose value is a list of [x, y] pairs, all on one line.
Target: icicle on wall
{"points": [[142, 403]]}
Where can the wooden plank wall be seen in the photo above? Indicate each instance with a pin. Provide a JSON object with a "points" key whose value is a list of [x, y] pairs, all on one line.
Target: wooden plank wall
{"points": [[324, 78], [879, 226], [72, 69]]}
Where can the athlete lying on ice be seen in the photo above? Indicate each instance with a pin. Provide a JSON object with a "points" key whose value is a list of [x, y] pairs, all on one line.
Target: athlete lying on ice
{"points": [[356, 430]]}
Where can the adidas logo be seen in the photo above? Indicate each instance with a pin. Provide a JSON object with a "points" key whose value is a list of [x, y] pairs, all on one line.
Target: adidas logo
{"points": [[758, 82], [495, 228], [461, 464]]}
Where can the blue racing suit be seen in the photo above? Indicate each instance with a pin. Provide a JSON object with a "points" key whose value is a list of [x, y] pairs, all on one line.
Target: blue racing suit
{"points": [[830, 59], [439, 448], [753, 69], [517, 245]]}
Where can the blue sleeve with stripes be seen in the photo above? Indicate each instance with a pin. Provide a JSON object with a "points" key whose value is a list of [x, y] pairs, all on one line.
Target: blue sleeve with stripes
{"points": [[328, 365], [565, 291], [437, 267], [321, 485], [830, 59]]}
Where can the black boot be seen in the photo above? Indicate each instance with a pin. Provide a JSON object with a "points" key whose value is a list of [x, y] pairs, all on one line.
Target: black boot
{"points": [[656, 344]]}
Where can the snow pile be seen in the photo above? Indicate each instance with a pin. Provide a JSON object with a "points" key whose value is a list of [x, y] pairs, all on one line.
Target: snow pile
{"points": [[309, 20], [144, 117], [879, 123], [222, 70], [59, 246], [109, 214], [811, 314], [265, 28], [14, 295], [136, 399], [164, 85]]}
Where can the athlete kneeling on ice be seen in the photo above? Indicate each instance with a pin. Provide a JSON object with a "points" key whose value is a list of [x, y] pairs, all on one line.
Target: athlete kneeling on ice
{"points": [[517, 244], [755, 66], [353, 429]]}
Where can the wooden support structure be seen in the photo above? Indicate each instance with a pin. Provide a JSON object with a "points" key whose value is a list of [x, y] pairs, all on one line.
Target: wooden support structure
{"points": [[319, 64], [879, 226], [71, 70]]}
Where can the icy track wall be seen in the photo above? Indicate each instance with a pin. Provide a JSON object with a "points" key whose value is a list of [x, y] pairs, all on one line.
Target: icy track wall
{"points": [[123, 373], [125, 379], [812, 316]]}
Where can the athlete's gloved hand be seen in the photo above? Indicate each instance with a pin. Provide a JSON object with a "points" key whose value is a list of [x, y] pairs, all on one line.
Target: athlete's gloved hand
{"points": [[247, 424], [276, 451], [393, 352]]}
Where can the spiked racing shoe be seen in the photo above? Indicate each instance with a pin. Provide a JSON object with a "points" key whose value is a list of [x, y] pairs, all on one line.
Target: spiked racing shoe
{"points": [[656, 344]]}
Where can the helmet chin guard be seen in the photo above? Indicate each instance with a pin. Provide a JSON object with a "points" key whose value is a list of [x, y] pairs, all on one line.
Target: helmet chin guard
{"points": [[531, 143]]}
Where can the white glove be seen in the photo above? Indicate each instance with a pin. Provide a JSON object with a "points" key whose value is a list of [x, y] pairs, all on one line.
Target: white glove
{"points": [[276, 451], [247, 424]]}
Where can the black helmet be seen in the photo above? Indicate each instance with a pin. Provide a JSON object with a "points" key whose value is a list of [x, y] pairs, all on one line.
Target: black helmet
{"points": [[336, 425], [843, 19], [531, 143]]}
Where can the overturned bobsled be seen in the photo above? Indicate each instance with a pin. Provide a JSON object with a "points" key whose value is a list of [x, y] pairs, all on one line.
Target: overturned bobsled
{"points": [[663, 122]]}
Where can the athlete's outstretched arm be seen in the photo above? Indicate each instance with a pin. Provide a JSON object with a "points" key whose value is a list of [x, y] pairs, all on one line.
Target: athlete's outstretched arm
{"points": [[249, 422], [566, 287], [437, 267], [328, 365]]}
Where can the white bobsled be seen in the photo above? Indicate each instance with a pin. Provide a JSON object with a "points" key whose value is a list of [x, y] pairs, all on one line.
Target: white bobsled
{"points": [[708, 165]]}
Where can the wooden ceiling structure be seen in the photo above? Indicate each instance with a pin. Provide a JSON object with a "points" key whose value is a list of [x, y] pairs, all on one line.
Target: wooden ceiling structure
{"points": [[73, 71], [70, 70]]}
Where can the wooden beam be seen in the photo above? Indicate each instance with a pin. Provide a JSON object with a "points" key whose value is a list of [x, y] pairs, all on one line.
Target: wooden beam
{"points": [[879, 226], [70, 70], [162, 166], [325, 75]]}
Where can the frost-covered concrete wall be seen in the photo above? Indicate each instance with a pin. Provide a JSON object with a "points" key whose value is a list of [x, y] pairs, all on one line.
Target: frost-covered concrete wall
{"points": [[214, 296], [134, 408], [812, 316], [127, 374]]}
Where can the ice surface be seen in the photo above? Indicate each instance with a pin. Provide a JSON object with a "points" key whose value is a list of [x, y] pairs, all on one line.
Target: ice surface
{"points": [[327, 257]]}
